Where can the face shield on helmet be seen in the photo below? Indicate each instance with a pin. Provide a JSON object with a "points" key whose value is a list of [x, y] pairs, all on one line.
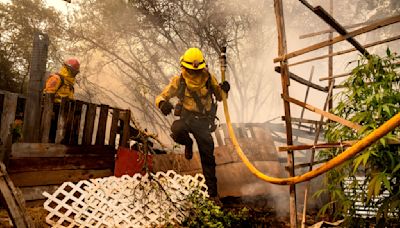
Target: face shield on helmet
{"points": [[193, 59]]}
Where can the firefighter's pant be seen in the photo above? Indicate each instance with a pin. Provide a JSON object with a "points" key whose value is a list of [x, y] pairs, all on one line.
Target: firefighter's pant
{"points": [[199, 128]]}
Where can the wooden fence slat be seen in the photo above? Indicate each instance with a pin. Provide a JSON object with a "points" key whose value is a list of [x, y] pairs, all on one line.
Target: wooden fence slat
{"points": [[126, 128], [114, 126], [76, 125], [89, 124], [7, 118], [69, 123], [8, 115], [62, 120], [101, 129], [47, 114]]}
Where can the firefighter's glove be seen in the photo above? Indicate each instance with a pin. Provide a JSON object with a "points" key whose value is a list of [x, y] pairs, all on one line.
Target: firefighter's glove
{"points": [[166, 107], [225, 86]]}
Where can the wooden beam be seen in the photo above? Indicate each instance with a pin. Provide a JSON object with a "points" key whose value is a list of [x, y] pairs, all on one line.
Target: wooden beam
{"points": [[43, 150], [368, 28], [326, 114], [304, 165], [303, 81], [332, 30], [343, 75], [282, 51], [297, 120], [345, 51], [339, 28], [343, 144], [316, 146], [114, 126]]}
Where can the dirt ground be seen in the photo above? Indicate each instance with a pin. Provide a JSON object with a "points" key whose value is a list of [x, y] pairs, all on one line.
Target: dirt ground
{"points": [[260, 214]]}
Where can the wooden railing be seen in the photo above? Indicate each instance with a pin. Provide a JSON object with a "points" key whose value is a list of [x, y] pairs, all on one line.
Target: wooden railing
{"points": [[78, 122]]}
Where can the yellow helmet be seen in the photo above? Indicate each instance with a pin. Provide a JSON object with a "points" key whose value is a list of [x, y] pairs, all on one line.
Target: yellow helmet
{"points": [[193, 59]]}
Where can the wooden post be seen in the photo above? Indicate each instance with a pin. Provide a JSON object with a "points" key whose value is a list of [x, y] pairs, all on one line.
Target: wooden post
{"points": [[282, 51], [330, 59], [31, 128], [316, 138]]}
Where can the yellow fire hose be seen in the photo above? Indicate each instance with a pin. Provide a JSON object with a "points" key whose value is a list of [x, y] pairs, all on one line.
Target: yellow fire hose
{"points": [[334, 162]]}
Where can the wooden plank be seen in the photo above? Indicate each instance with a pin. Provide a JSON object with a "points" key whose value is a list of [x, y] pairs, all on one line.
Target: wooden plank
{"points": [[101, 129], [282, 51], [8, 116], [45, 150], [29, 164], [62, 120], [302, 80], [330, 55], [326, 114], [368, 28], [304, 165], [76, 125], [332, 30], [69, 123], [305, 97], [339, 28], [37, 72], [46, 117], [114, 127], [125, 130], [13, 200], [297, 120], [38, 178], [317, 146], [89, 124]]}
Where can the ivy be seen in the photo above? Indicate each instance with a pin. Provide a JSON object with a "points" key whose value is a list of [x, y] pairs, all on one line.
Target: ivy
{"points": [[370, 98]]}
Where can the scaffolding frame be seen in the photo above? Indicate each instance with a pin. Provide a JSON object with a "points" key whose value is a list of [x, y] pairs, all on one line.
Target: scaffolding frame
{"points": [[286, 76]]}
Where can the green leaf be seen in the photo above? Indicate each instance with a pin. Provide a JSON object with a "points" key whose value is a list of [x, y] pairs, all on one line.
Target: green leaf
{"points": [[396, 168]]}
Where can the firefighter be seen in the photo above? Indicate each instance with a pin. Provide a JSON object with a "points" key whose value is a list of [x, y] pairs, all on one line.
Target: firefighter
{"points": [[61, 84], [197, 90]]}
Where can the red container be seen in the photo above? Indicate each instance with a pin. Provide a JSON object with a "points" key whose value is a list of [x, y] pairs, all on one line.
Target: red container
{"points": [[129, 162]]}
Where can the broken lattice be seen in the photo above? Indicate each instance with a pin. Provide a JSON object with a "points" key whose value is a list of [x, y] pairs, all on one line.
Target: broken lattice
{"points": [[138, 201]]}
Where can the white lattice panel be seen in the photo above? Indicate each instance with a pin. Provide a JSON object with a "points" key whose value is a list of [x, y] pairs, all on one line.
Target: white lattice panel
{"points": [[138, 201]]}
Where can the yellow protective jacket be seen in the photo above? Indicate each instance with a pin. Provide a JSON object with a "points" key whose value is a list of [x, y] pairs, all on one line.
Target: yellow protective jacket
{"points": [[197, 84], [61, 84]]}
